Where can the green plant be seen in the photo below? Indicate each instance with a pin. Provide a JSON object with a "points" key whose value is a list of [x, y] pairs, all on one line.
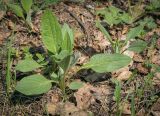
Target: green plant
{"points": [[133, 112], [117, 95], [9, 62], [107, 62], [153, 5], [42, 4], [59, 43], [117, 44], [113, 15], [23, 12]]}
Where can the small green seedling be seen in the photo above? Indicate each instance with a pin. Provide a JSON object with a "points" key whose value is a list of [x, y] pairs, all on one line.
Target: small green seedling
{"points": [[9, 63], [117, 45], [113, 16], [59, 43], [117, 95], [23, 12]]}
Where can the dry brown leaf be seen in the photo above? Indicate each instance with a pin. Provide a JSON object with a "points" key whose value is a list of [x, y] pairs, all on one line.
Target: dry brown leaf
{"points": [[116, 73], [126, 108], [156, 108], [51, 108], [156, 59], [87, 95], [122, 74], [141, 113], [138, 58], [2, 13], [125, 75], [101, 41], [151, 52], [78, 34], [142, 69], [158, 43], [62, 108], [68, 109], [156, 79], [3, 35], [84, 96], [82, 59], [129, 53]]}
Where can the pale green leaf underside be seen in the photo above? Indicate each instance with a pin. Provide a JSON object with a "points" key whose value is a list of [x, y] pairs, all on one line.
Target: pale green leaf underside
{"points": [[107, 62], [33, 85], [51, 32], [75, 85], [27, 65]]}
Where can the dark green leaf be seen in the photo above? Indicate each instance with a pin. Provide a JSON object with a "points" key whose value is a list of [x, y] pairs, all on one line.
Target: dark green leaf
{"points": [[34, 85], [107, 62]]}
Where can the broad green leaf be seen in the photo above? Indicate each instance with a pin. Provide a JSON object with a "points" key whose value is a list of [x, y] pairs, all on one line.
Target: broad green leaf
{"points": [[51, 32], [75, 85], [138, 46], [26, 4], [135, 32], [17, 10], [34, 85], [107, 62], [103, 30], [27, 65]]}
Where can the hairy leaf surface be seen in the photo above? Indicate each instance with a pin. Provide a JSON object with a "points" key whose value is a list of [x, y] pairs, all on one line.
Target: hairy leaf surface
{"points": [[27, 65], [51, 32], [107, 62], [138, 46], [34, 85]]}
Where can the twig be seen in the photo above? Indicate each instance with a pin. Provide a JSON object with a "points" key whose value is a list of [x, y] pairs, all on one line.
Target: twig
{"points": [[79, 21]]}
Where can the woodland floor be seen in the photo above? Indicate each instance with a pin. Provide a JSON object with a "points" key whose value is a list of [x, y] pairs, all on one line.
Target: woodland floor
{"points": [[97, 96]]}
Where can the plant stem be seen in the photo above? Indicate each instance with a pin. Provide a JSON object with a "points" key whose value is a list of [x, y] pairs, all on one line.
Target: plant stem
{"points": [[63, 86], [8, 73]]}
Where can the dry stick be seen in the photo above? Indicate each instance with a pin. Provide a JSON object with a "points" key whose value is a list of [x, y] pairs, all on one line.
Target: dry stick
{"points": [[80, 23]]}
